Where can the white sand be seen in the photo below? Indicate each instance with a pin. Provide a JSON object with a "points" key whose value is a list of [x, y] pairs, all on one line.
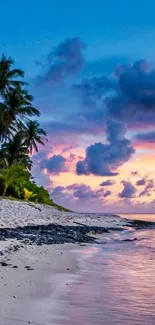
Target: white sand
{"points": [[38, 295], [19, 213], [34, 295]]}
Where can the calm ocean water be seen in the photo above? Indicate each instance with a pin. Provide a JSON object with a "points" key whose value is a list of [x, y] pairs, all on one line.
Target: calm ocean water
{"points": [[117, 284]]}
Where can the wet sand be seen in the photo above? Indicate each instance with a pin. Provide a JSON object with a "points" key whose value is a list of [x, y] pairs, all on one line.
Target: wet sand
{"points": [[34, 284]]}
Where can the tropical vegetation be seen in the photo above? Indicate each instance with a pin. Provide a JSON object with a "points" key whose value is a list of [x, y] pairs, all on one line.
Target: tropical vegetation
{"points": [[20, 136]]}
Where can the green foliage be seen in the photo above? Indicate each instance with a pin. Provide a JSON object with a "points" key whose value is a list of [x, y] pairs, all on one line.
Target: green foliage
{"points": [[19, 137], [40, 194], [10, 174], [16, 152]]}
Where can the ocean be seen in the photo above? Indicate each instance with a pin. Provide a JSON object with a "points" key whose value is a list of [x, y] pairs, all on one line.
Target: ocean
{"points": [[117, 280]]}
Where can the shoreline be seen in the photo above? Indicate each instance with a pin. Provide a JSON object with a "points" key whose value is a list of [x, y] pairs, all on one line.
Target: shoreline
{"points": [[36, 270], [35, 282]]}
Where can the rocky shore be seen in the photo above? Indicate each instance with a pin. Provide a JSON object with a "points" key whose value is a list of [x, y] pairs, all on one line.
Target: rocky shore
{"points": [[30, 223], [36, 272]]}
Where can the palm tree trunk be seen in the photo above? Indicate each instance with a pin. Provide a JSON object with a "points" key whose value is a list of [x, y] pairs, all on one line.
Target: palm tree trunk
{"points": [[5, 189]]}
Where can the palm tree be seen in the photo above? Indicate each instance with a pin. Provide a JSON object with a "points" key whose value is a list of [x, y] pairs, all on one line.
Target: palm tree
{"points": [[14, 110], [8, 76], [10, 174], [33, 135], [16, 152]]}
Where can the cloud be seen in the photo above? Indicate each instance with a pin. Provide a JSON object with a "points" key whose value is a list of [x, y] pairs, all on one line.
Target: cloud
{"points": [[109, 182], [134, 173], [92, 90], [107, 193], [141, 182], [128, 96], [104, 159], [69, 148], [150, 184], [128, 191], [58, 190], [65, 60], [55, 164], [147, 137], [148, 188], [135, 91], [80, 193]]}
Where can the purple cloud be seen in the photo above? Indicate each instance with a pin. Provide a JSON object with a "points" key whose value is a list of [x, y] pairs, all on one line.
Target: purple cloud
{"points": [[107, 183], [126, 97], [135, 92], [55, 164], [141, 182], [107, 193], [80, 192], [104, 159], [92, 90], [148, 188], [150, 184], [145, 192], [148, 137], [63, 61], [128, 191], [134, 173]]}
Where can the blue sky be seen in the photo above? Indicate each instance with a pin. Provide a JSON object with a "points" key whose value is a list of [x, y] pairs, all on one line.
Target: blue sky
{"points": [[109, 28], [84, 147]]}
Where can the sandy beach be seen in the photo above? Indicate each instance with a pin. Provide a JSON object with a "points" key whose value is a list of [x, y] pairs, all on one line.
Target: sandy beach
{"points": [[35, 278], [34, 282], [20, 213]]}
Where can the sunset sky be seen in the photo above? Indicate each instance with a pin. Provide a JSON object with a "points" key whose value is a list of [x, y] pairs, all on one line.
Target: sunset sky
{"points": [[91, 68]]}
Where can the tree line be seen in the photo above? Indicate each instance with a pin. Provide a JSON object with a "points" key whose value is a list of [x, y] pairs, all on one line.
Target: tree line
{"points": [[20, 135]]}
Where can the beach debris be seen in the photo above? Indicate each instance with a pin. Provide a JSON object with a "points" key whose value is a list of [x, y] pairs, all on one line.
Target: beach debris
{"points": [[15, 267], [130, 239], [15, 297], [4, 263], [52, 234], [28, 268]]}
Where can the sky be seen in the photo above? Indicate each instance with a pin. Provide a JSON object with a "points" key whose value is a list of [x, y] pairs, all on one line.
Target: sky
{"points": [[91, 68]]}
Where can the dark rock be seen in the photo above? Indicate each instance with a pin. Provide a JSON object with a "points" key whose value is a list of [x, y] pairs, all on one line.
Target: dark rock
{"points": [[130, 239], [139, 224], [53, 234], [4, 264], [28, 268]]}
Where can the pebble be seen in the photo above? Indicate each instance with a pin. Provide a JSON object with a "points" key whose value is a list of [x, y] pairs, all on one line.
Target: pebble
{"points": [[4, 263], [28, 268]]}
